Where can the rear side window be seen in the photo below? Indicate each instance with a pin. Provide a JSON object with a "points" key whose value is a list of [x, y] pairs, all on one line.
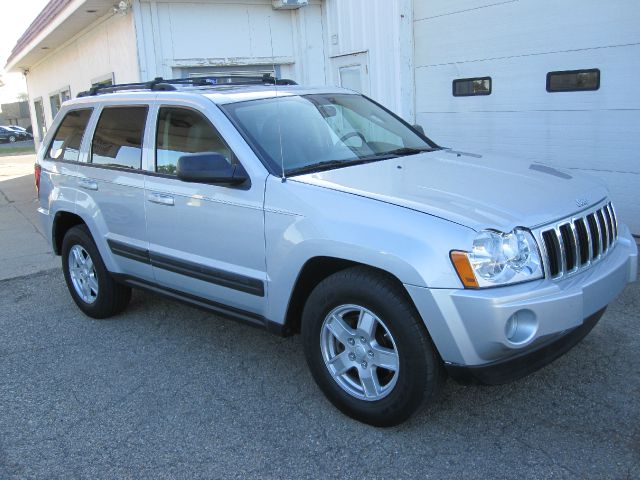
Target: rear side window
{"points": [[117, 141], [67, 140], [182, 131]]}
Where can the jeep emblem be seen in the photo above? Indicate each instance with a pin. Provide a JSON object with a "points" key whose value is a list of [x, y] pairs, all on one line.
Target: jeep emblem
{"points": [[581, 202]]}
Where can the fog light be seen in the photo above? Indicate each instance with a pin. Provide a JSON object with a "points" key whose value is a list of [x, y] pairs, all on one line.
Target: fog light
{"points": [[511, 326], [521, 327]]}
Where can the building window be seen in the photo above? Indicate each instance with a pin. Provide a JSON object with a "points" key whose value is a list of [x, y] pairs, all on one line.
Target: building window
{"points": [[573, 80], [57, 99], [39, 109], [467, 87], [104, 81]]}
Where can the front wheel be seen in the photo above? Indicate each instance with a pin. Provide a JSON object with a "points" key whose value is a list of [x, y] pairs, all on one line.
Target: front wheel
{"points": [[91, 286], [12, 139], [367, 347]]}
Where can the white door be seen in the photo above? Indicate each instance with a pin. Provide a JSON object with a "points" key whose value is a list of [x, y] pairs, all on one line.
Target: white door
{"points": [[352, 72]]}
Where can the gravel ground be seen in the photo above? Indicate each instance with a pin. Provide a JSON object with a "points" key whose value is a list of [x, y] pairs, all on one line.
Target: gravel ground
{"points": [[166, 391]]}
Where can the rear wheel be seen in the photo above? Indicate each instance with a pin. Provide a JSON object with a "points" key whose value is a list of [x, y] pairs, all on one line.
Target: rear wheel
{"points": [[12, 138], [91, 286], [368, 349]]}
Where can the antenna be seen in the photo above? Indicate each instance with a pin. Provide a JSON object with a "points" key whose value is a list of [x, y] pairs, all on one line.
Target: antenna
{"points": [[275, 86]]}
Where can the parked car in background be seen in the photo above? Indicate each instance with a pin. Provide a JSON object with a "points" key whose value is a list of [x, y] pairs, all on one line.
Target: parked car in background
{"points": [[23, 134], [8, 135], [318, 211]]}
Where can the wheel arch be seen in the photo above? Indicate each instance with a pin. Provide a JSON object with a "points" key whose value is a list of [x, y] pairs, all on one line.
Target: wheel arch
{"points": [[62, 223], [314, 271]]}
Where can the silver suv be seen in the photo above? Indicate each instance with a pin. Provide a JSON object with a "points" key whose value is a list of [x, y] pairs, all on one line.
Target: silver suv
{"points": [[318, 211]]}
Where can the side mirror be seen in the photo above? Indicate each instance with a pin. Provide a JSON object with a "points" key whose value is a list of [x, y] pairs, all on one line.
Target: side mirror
{"points": [[210, 168], [419, 129]]}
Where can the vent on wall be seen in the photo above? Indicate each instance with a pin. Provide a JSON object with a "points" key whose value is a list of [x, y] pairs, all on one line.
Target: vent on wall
{"points": [[289, 4]]}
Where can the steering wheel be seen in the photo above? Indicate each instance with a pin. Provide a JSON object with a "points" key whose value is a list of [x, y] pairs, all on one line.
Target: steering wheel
{"points": [[347, 136]]}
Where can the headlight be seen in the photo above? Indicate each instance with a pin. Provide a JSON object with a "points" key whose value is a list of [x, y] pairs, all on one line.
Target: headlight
{"points": [[498, 258]]}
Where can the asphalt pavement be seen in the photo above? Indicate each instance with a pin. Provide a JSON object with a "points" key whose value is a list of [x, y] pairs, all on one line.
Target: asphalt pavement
{"points": [[167, 391]]}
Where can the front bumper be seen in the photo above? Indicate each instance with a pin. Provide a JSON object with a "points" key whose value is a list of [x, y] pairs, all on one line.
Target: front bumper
{"points": [[470, 327]]}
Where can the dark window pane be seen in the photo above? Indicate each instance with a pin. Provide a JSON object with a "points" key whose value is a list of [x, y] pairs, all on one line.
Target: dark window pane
{"points": [[466, 87], [573, 80], [68, 138], [118, 138], [54, 100], [182, 131]]}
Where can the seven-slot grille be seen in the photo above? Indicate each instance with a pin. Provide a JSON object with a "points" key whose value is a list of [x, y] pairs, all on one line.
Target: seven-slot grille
{"points": [[576, 243]]}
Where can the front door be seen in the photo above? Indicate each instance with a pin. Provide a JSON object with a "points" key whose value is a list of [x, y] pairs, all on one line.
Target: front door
{"points": [[204, 240]]}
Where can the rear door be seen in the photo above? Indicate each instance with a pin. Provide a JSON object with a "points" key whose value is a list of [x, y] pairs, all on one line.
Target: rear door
{"points": [[205, 240], [110, 188]]}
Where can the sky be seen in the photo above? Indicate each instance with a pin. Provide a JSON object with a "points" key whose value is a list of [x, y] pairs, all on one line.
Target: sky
{"points": [[15, 17]]}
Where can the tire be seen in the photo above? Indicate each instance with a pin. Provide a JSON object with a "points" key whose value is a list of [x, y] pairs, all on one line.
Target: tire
{"points": [[357, 298], [12, 139], [91, 286]]}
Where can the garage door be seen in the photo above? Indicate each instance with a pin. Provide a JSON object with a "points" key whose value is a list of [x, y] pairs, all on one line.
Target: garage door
{"points": [[588, 122]]}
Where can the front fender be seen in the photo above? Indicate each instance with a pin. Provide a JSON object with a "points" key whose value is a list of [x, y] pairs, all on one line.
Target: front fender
{"points": [[306, 221]]}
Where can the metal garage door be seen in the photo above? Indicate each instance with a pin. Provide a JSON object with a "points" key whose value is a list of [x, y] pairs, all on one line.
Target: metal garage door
{"points": [[516, 43]]}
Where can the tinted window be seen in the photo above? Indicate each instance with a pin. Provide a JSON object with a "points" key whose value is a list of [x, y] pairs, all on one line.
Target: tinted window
{"points": [[118, 138], [466, 87], [182, 131], [68, 138], [573, 80]]}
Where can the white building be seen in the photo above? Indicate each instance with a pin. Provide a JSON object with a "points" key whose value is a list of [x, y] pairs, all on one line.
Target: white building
{"points": [[477, 74]]}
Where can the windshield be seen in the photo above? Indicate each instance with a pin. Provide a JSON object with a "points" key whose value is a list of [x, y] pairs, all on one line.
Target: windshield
{"points": [[323, 131]]}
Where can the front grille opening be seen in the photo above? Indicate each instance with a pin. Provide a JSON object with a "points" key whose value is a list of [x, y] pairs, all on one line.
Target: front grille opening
{"points": [[603, 231], [552, 246], [583, 240], [614, 220], [607, 217], [569, 243], [595, 235]]}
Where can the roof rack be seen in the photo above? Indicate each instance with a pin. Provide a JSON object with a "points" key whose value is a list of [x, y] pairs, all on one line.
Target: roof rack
{"points": [[159, 84]]}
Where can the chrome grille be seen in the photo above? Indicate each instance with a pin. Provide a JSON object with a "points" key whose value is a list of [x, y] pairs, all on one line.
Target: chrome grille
{"points": [[575, 243]]}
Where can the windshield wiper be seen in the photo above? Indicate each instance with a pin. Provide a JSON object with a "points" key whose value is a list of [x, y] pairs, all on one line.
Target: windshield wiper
{"points": [[408, 151], [329, 164]]}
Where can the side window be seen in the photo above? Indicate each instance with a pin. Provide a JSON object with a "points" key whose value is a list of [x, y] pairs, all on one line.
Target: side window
{"points": [[182, 131], [117, 141], [67, 140]]}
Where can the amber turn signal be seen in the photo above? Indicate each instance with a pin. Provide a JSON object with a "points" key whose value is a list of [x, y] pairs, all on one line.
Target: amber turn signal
{"points": [[461, 263]]}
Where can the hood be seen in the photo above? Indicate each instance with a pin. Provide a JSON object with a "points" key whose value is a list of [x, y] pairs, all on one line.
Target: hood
{"points": [[472, 190]]}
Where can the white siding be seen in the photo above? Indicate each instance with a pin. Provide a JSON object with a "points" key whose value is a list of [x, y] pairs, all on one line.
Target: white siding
{"points": [[176, 35], [382, 28], [516, 43], [105, 47]]}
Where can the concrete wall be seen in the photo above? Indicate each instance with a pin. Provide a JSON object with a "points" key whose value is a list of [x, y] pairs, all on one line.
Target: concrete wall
{"points": [[15, 113], [176, 36], [516, 43], [107, 46]]}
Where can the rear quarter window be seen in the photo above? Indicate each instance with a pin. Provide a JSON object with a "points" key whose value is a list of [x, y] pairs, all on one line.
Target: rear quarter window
{"points": [[68, 138], [117, 141]]}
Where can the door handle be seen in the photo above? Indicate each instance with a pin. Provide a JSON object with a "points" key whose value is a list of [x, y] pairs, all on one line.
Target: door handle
{"points": [[88, 184], [161, 199]]}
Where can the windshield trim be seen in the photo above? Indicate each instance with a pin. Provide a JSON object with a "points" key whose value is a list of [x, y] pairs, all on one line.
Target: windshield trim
{"points": [[273, 170]]}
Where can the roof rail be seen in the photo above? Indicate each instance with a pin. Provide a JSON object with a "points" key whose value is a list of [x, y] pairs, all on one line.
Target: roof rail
{"points": [[159, 84]]}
